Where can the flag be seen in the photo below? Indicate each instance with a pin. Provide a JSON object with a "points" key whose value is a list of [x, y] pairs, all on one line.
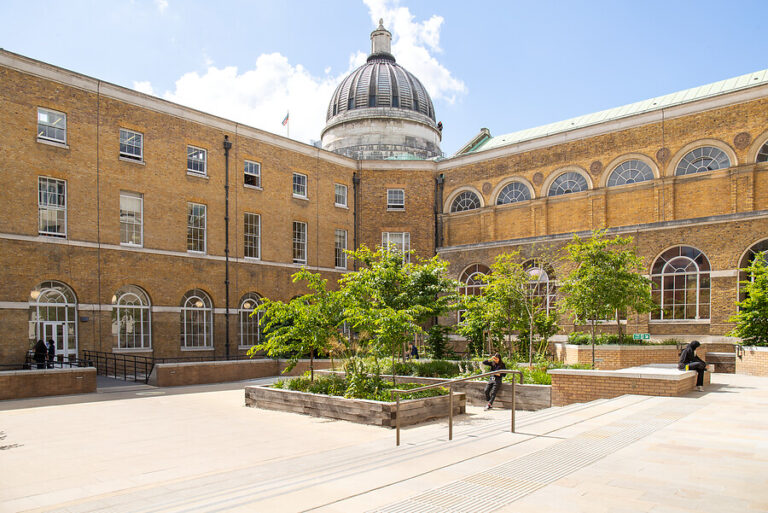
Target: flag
{"points": [[285, 121]]}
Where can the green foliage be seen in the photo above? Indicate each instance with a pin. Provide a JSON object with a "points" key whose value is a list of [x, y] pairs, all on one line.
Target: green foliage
{"points": [[606, 280], [752, 318], [370, 387], [389, 298], [437, 342], [305, 325], [580, 338]]}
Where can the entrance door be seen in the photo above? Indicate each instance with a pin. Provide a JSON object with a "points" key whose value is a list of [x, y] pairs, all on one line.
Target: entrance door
{"points": [[65, 348]]}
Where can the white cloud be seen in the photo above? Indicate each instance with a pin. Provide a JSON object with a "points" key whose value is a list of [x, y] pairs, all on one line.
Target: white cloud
{"points": [[261, 96], [161, 5], [144, 87]]}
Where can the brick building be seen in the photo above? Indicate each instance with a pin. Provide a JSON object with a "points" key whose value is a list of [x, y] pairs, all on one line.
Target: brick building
{"points": [[113, 203]]}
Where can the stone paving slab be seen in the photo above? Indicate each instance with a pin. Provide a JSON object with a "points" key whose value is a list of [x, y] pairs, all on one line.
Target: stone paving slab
{"points": [[204, 451]]}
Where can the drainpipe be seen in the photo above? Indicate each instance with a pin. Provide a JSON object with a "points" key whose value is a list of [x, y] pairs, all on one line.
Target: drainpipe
{"points": [[355, 185], [439, 181], [227, 147]]}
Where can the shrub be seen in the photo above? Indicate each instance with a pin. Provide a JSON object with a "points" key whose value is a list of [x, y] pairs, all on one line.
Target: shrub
{"points": [[356, 387]]}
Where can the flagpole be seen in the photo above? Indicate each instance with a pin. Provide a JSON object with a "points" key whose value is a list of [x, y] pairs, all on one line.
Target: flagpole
{"points": [[288, 125]]}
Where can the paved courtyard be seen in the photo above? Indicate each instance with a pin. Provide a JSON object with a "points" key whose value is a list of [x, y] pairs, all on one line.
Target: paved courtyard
{"points": [[199, 449]]}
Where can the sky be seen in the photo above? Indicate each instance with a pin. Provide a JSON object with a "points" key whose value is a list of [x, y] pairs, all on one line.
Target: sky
{"points": [[502, 65]]}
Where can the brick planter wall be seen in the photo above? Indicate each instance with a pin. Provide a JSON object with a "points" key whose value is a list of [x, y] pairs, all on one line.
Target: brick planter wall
{"points": [[579, 386], [197, 373], [377, 413], [41, 383], [611, 357], [753, 361]]}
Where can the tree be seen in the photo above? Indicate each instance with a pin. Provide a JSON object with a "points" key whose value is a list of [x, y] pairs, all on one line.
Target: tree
{"points": [[605, 282], [306, 324], [752, 318], [389, 298]]}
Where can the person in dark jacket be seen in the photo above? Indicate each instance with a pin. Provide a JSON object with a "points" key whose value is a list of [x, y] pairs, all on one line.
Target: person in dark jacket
{"points": [[494, 381], [40, 352], [51, 352], [689, 361], [413, 351]]}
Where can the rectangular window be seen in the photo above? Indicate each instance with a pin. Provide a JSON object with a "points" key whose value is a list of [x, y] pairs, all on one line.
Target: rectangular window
{"points": [[398, 241], [131, 207], [340, 195], [196, 227], [131, 145], [196, 158], [51, 125], [340, 247], [395, 199], [252, 233], [299, 242], [51, 207], [252, 174], [299, 185]]}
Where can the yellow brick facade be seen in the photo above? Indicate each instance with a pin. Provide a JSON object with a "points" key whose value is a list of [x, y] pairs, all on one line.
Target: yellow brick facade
{"points": [[722, 213]]}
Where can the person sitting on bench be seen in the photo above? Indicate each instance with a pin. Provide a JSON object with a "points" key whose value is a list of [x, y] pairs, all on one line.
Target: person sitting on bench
{"points": [[689, 361]]}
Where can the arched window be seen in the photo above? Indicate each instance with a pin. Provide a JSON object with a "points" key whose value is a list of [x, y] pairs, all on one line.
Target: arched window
{"points": [[631, 171], [702, 159], [756, 251], [567, 183], [53, 311], [680, 279], [250, 325], [471, 283], [762, 153], [467, 200], [542, 283], [131, 318], [512, 193], [196, 320]]}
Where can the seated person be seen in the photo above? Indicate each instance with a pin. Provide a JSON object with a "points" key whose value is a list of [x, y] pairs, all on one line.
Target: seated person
{"points": [[689, 361]]}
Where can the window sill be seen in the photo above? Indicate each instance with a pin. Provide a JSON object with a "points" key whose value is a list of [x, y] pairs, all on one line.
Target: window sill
{"points": [[254, 187], [206, 348], [299, 263], [304, 198], [197, 175], [679, 321], [118, 350], [191, 252], [390, 209], [341, 268], [244, 348], [132, 161], [54, 235], [131, 245], [55, 144], [338, 205], [252, 259]]}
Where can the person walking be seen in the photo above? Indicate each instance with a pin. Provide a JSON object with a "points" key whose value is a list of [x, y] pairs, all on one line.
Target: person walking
{"points": [[51, 352], [494, 381], [689, 361], [40, 352]]}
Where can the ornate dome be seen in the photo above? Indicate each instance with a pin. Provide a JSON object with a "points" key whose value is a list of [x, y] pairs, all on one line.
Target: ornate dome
{"points": [[381, 110]]}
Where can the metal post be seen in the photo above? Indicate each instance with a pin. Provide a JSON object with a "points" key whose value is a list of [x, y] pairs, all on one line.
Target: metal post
{"points": [[397, 417], [513, 405], [450, 413]]}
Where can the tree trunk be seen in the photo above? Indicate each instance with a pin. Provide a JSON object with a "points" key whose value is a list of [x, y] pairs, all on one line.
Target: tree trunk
{"points": [[393, 368], [311, 364], [530, 343], [618, 323], [592, 323]]}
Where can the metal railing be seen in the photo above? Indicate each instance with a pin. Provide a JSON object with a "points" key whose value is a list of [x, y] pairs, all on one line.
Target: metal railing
{"points": [[31, 363], [449, 383]]}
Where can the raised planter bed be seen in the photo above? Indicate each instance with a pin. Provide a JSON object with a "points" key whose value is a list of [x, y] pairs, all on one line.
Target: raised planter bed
{"points": [[527, 397], [377, 413]]}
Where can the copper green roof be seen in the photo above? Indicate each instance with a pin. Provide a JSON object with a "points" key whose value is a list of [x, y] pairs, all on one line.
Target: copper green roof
{"points": [[660, 102]]}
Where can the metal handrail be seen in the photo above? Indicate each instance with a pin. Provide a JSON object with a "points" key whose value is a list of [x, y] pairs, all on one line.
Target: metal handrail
{"points": [[449, 383]]}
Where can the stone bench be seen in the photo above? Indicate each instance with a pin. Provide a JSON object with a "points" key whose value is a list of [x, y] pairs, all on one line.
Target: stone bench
{"points": [[584, 385]]}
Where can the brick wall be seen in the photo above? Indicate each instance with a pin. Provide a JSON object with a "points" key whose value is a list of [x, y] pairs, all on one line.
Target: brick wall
{"points": [[195, 373], [752, 361], [47, 382]]}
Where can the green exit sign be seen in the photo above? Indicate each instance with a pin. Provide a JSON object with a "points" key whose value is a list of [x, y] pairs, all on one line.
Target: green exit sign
{"points": [[641, 336]]}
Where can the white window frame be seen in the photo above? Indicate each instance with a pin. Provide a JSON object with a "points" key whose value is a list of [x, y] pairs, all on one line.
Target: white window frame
{"points": [[145, 317], [48, 207], [340, 256], [256, 236], [340, 192], [128, 155], [254, 172], [204, 228], [192, 149], [52, 125], [140, 197], [297, 192], [299, 243], [198, 304], [405, 243], [393, 203], [244, 313]]}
